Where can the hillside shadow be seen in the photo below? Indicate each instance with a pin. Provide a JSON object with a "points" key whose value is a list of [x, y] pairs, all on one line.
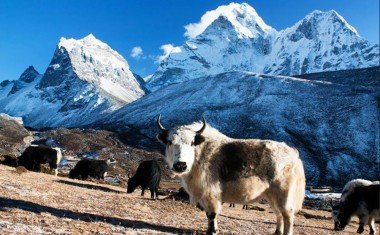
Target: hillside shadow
{"points": [[90, 186], [86, 217]]}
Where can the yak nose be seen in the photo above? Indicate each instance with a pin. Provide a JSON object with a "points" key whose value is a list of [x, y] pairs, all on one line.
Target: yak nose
{"points": [[180, 166]]}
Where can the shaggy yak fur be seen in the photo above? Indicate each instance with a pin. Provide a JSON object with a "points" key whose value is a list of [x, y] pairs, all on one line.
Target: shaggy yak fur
{"points": [[34, 156], [148, 175], [361, 198], [214, 168], [89, 167]]}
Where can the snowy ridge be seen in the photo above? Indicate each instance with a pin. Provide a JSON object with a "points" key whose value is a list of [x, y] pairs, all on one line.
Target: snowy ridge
{"points": [[235, 38]]}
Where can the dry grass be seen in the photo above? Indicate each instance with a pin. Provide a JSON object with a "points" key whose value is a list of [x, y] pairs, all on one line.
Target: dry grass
{"points": [[37, 203]]}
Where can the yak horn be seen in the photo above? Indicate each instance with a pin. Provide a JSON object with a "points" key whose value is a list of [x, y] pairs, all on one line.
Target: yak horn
{"points": [[203, 127], [162, 128]]}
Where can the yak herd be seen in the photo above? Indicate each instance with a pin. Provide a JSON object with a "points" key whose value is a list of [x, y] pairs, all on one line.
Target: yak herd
{"points": [[214, 168]]}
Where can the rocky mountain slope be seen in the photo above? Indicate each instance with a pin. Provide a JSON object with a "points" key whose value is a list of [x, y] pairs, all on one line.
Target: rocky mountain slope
{"points": [[235, 38], [85, 79], [331, 118]]}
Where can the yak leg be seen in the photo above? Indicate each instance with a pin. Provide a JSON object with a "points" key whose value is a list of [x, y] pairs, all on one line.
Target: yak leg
{"points": [[53, 167], [156, 191], [287, 212], [142, 191], [36, 167], [361, 228], [371, 224], [212, 223], [288, 216], [151, 193], [280, 220], [213, 207], [363, 220], [104, 175]]}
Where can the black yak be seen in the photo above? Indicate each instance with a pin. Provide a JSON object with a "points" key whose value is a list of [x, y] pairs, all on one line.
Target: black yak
{"points": [[90, 167], [362, 200], [148, 175], [34, 156]]}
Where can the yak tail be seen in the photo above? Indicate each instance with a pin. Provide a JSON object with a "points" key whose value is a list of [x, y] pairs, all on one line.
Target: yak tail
{"points": [[59, 158], [299, 186], [59, 155]]}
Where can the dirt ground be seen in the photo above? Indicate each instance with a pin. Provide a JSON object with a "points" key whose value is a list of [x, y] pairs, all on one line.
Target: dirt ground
{"points": [[37, 203]]}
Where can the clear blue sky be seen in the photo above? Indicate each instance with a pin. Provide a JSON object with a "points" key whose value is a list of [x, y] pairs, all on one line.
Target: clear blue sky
{"points": [[30, 30]]}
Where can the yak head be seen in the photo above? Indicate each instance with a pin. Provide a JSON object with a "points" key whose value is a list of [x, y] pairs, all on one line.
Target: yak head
{"points": [[132, 184], [341, 219], [73, 174], [180, 144]]}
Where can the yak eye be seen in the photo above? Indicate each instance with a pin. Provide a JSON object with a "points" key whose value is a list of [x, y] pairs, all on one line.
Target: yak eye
{"points": [[169, 142], [192, 143]]}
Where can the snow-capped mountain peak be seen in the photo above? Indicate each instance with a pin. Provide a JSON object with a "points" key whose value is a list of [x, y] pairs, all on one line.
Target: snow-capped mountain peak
{"points": [[85, 79], [93, 61], [89, 40], [244, 18], [334, 16], [319, 23]]}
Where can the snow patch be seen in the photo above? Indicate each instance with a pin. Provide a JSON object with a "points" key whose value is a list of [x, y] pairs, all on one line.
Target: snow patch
{"points": [[324, 196], [242, 16], [16, 119]]}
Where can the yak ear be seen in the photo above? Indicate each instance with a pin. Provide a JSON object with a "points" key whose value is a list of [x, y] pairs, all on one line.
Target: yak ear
{"points": [[198, 139], [163, 137]]}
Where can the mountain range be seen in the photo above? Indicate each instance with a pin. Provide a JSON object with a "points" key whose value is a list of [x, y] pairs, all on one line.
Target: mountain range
{"points": [[236, 38]]}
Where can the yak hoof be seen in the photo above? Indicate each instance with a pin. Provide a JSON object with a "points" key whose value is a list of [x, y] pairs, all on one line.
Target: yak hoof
{"points": [[360, 230], [211, 231], [277, 232]]}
